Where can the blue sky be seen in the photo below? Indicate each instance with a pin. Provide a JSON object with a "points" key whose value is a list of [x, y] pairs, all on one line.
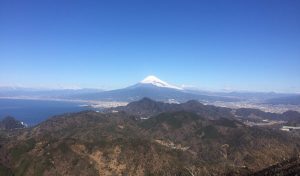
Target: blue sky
{"points": [[240, 45]]}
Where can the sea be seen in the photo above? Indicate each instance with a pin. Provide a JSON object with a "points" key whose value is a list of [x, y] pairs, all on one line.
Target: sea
{"points": [[33, 112]]}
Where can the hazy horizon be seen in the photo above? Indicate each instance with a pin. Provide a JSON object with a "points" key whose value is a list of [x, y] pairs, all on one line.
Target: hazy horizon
{"points": [[184, 87]]}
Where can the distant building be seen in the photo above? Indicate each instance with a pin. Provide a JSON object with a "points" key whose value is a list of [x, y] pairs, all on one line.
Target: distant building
{"points": [[289, 128]]}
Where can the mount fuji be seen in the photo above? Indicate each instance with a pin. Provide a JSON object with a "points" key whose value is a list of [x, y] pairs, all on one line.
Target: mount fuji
{"points": [[152, 80], [154, 88], [150, 87]]}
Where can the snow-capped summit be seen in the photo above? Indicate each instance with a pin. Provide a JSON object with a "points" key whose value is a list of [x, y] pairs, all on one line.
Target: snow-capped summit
{"points": [[157, 82]]}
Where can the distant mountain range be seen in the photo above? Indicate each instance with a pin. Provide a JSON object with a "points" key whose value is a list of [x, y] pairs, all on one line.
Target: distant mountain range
{"points": [[153, 88], [292, 100], [43, 93], [147, 108], [159, 90]]}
